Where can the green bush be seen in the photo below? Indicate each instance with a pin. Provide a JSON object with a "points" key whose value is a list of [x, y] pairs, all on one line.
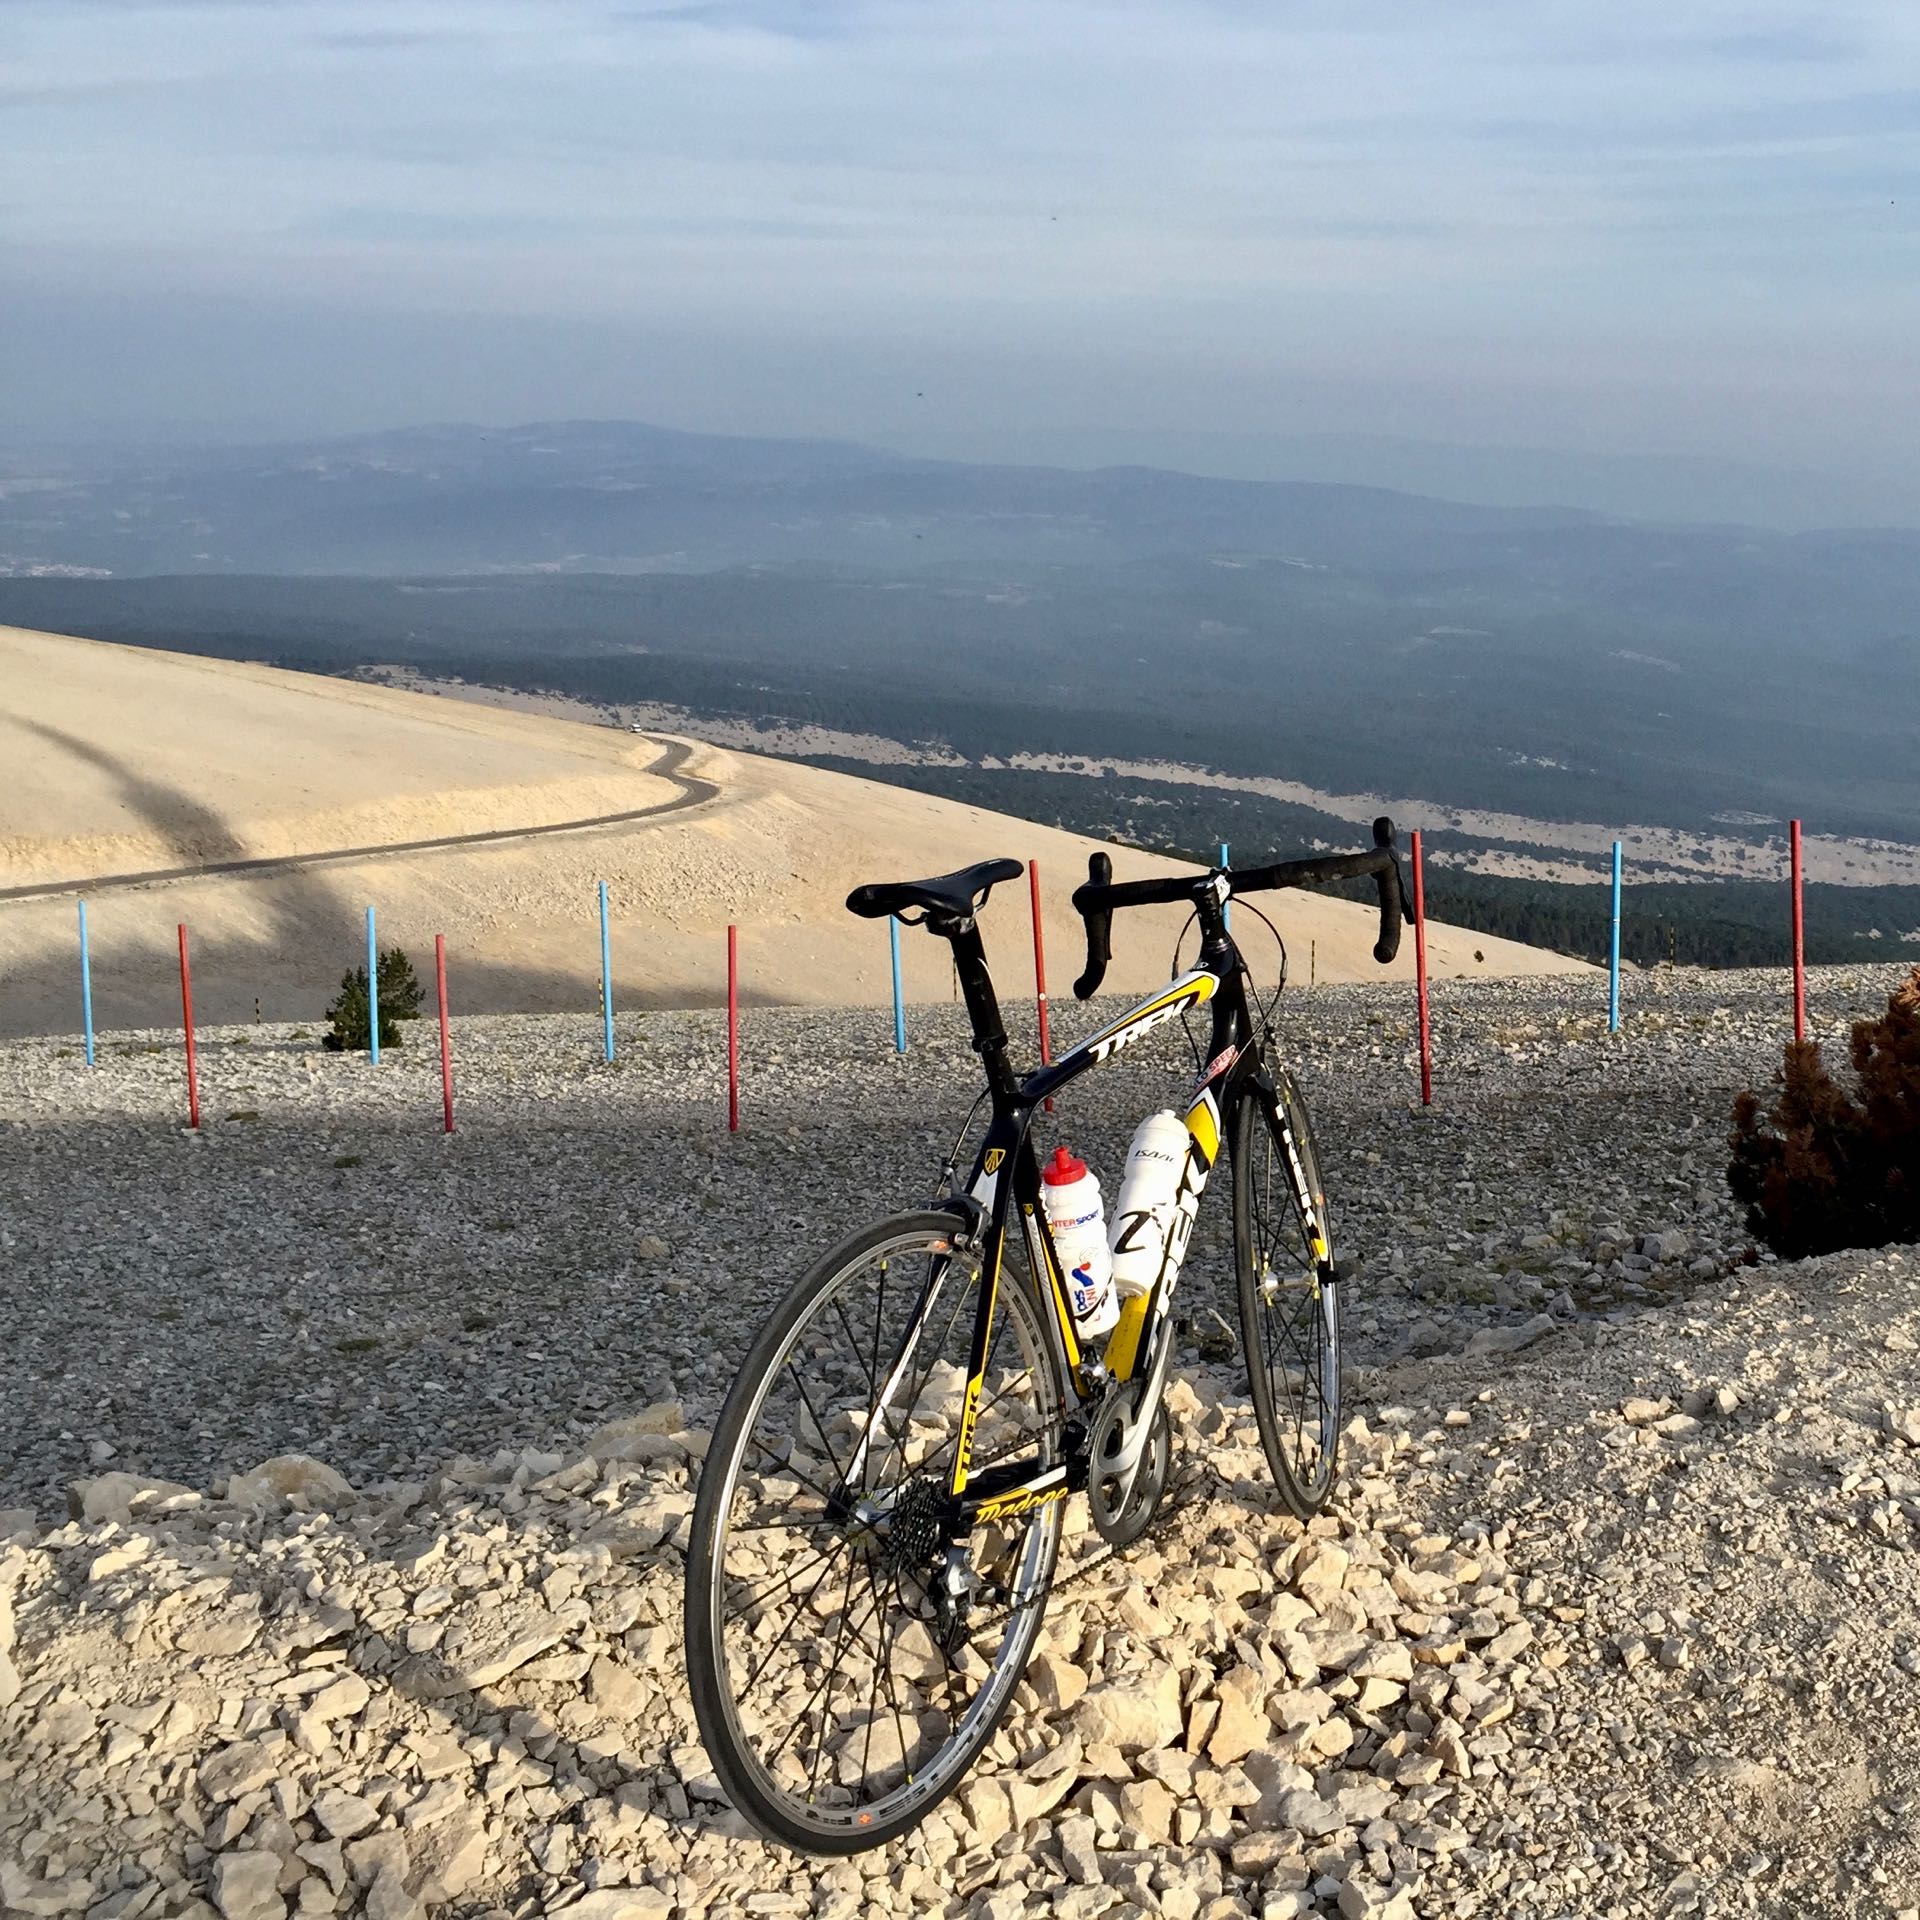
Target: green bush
{"points": [[400, 997], [1828, 1166]]}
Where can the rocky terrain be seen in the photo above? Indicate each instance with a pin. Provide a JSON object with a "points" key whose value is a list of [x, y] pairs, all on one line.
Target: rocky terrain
{"points": [[346, 1466]]}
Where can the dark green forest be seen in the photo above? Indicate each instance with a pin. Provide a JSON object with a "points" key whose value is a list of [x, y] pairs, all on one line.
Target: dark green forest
{"points": [[1722, 923], [1288, 674]]}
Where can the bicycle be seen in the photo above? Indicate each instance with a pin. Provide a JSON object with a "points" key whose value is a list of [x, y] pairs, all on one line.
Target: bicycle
{"points": [[880, 1512]]}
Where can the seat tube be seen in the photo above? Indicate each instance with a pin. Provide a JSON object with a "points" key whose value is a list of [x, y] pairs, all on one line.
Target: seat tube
{"points": [[983, 1006]]}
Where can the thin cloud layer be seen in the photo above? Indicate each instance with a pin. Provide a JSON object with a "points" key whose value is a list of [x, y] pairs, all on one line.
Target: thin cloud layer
{"points": [[1688, 228]]}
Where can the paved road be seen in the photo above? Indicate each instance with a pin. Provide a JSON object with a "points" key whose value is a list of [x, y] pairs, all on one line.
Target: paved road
{"points": [[693, 793]]}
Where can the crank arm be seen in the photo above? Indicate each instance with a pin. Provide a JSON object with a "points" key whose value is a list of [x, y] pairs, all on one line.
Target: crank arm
{"points": [[1127, 1463]]}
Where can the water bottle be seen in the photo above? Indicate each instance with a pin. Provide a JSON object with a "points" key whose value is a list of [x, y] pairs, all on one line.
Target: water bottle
{"points": [[1149, 1196], [1070, 1197]]}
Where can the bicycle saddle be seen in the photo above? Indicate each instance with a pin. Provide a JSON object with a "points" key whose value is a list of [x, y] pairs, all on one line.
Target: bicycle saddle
{"points": [[955, 896]]}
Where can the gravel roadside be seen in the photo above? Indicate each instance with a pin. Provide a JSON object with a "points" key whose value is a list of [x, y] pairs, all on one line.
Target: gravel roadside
{"points": [[1637, 1519]]}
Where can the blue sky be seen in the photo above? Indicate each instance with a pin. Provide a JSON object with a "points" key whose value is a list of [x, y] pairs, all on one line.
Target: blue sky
{"points": [[1610, 228]]}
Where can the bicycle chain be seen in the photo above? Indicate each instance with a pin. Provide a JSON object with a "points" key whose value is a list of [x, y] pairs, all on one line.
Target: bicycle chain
{"points": [[1182, 1489]]}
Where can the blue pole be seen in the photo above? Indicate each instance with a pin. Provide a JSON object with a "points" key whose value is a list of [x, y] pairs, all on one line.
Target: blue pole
{"points": [[373, 993], [899, 1007], [1226, 912], [1613, 951], [606, 973], [86, 981]]}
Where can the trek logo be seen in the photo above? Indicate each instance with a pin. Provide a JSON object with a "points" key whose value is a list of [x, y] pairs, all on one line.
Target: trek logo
{"points": [[1190, 990], [1111, 1043], [969, 1413], [991, 1160]]}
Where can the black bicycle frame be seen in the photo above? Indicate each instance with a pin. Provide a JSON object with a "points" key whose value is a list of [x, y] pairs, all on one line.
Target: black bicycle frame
{"points": [[1005, 1181]]}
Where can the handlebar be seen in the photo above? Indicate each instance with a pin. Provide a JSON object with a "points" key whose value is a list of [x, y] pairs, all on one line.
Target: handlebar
{"points": [[1096, 901]]}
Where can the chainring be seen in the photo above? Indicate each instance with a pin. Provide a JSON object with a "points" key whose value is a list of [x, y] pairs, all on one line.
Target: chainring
{"points": [[1113, 1427]]}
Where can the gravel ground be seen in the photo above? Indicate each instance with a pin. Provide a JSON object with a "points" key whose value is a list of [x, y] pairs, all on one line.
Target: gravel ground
{"points": [[322, 1269], [1615, 1612]]}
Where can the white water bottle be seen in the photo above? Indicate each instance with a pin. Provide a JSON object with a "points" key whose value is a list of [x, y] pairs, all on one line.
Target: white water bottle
{"points": [[1149, 1197], [1070, 1196]]}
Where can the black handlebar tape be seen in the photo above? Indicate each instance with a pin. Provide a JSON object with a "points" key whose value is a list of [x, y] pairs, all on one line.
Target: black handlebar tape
{"points": [[1097, 912], [1388, 881]]}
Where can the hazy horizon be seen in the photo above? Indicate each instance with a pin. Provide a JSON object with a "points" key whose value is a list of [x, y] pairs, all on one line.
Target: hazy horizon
{"points": [[1619, 257]]}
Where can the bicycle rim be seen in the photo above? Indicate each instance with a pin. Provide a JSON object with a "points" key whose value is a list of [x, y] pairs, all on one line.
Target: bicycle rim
{"points": [[847, 1666], [1289, 1300]]}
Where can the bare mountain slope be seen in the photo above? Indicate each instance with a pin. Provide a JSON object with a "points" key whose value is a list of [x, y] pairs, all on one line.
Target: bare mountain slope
{"points": [[266, 810]]}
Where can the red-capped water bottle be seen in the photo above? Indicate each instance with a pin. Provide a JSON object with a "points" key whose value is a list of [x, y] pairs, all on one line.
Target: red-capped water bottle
{"points": [[1070, 1197]]}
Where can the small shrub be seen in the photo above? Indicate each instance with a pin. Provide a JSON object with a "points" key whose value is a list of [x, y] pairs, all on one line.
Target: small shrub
{"points": [[349, 1030], [1827, 1166]]}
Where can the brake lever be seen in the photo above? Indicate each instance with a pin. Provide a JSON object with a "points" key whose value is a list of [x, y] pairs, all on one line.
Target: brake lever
{"points": [[1099, 929]]}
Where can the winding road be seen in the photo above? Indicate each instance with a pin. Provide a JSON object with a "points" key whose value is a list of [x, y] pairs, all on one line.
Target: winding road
{"points": [[693, 792]]}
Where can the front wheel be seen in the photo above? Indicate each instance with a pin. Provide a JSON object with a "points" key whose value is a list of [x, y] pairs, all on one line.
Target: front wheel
{"points": [[851, 1647], [1289, 1298]]}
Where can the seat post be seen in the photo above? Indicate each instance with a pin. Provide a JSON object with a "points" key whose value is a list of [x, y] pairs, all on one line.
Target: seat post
{"points": [[983, 1007]]}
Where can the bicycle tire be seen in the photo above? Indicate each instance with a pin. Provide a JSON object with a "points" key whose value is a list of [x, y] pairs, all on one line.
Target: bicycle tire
{"points": [[1290, 1317], [830, 1817]]}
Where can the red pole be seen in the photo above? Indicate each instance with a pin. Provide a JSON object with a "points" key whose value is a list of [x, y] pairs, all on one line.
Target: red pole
{"points": [[186, 1013], [1420, 970], [446, 1038], [1039, 963], [1040, 967], [733, 1029], [1799, 941]]}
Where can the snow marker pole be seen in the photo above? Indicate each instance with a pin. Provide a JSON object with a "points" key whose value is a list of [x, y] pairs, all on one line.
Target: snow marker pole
{"points": [[186, 1014], [899, 1008], [606, 974], [1420, 970], [733, 1029], [1040, 969], [373, 994], [1799, 940], [446, 1037], [86, 981], [1613, 951]]}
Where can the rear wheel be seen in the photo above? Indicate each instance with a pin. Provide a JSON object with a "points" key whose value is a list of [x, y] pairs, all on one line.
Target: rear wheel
{"points": [[1289, 1298], [849, 1654]]}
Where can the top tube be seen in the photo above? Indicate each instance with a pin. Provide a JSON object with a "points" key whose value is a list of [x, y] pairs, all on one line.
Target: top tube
{"points": [[1192, 989]]}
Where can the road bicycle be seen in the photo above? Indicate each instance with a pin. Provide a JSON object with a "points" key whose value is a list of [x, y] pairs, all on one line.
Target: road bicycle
{"points": [[879, 1517]]}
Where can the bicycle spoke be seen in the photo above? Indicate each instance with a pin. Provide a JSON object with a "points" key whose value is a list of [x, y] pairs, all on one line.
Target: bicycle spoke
{"points": [[850, 1691], [785, 1463], [826, 1566], [800, 1719], [1295, 1344], [893, 1703], [820, 1428]]}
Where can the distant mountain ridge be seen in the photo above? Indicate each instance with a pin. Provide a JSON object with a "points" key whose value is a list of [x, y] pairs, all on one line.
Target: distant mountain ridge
{"points": [[600, 496], [1549, 662]]}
